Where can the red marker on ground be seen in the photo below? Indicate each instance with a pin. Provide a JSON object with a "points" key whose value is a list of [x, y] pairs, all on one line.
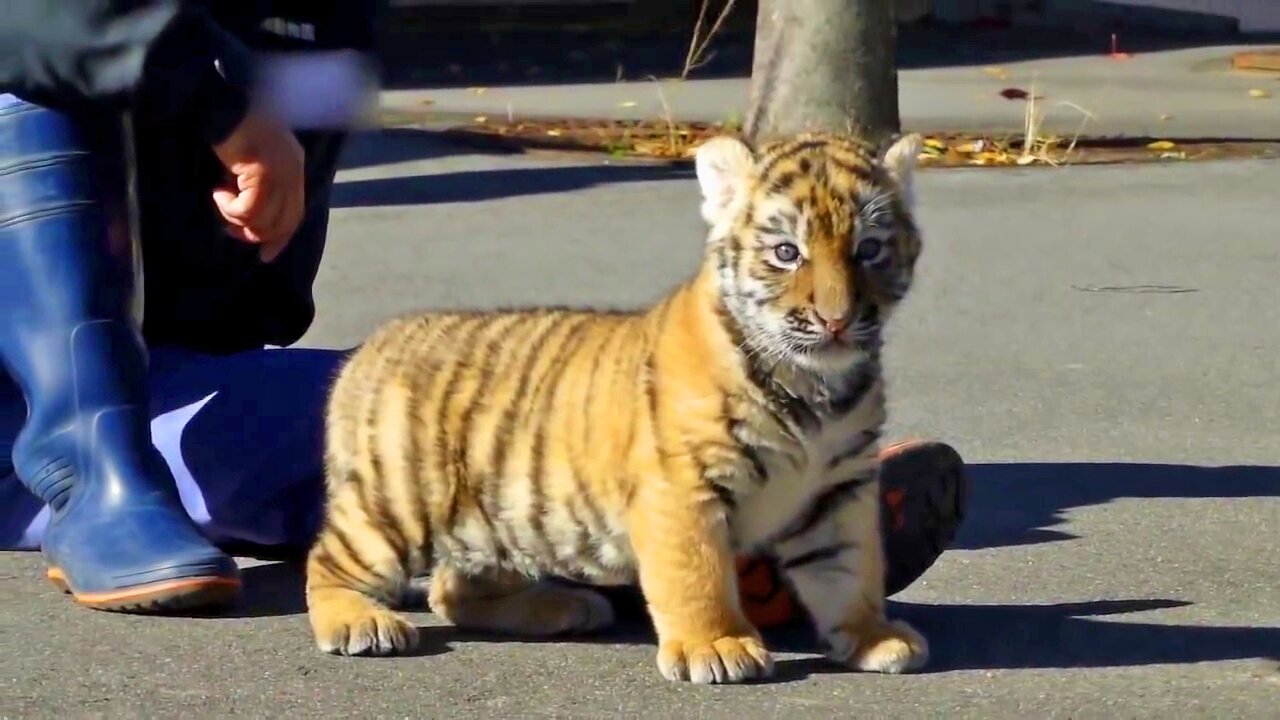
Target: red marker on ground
{"points": [[1115, 50]]}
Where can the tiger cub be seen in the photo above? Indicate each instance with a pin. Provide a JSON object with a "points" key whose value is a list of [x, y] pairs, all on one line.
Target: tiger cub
{"points": [[741, 414]]}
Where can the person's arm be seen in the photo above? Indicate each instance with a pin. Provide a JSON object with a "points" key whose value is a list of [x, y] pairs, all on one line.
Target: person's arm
{"points": [[166, 61], [154, 57]]}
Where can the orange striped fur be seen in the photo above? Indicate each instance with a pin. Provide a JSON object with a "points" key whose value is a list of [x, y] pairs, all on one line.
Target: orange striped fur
{"points": [[740, 414]]}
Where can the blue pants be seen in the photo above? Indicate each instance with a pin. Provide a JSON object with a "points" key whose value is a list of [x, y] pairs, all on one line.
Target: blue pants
{"points": [[242, 434]]}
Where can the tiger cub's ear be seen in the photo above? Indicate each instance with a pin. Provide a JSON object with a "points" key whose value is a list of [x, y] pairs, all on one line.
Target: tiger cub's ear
{"points": [[724, 166], [900, 160]]}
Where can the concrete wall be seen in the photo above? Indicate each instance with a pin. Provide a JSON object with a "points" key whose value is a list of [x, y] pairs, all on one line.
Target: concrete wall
{"points": [[1020, 11], [502, 3], [908, 10], [1248, 15], [1253, 15], [1244, 15]]}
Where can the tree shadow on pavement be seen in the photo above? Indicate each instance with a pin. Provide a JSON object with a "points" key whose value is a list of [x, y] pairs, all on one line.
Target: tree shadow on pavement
{"points": [[481, 185], [1018, 503], [383, 146]]}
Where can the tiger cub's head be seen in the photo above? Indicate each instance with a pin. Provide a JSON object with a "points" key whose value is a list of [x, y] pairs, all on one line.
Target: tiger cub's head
{"points": [[813, 242]]}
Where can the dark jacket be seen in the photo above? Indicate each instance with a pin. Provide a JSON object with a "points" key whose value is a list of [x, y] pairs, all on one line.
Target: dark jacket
{"points": [[158, 56], [183, 68]]}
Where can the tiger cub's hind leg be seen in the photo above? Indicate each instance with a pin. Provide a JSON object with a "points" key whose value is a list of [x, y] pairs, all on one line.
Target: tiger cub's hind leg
{"points": [[354, 571], [509, 603]]}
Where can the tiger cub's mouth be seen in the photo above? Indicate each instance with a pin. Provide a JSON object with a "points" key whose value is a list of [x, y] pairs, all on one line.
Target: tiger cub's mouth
{"points": [[862, 334]]}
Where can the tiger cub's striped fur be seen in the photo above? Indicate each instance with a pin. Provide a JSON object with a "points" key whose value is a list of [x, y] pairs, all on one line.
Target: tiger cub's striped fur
{"points": [[742, 413]]}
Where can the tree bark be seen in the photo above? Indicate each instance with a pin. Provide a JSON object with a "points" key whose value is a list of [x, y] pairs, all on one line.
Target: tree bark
{"points": [[824, 65]]}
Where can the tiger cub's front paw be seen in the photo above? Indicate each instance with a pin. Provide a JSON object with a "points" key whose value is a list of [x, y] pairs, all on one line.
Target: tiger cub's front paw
{"points": [[883, 647], [729, 659], [347, 623]]}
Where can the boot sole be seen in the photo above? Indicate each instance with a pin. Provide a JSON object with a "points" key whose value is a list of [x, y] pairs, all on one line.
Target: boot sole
{"points": [[931, 512], [170, 595]]}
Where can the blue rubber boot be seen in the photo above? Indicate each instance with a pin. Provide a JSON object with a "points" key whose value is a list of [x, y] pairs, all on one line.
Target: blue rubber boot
{"points": [[118, 537]]}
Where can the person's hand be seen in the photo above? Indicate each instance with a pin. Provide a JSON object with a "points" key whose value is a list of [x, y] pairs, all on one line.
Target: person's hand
{"points": [[264, 200]]}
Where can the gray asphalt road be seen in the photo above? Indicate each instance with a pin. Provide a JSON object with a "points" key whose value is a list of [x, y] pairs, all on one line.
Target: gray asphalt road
{"points": [[1120, 559]]}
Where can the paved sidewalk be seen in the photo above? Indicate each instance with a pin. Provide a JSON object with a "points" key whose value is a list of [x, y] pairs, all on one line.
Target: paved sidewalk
{"points": [[1173, 94]]}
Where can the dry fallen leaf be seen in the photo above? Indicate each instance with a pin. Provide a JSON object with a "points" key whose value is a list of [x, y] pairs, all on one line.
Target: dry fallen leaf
{"points": [[1026, 159], [652, 148], [553, 133], [481, 118], [991, 158], [935, 143], [1259, 93], [1161, 145], [972, 147]]}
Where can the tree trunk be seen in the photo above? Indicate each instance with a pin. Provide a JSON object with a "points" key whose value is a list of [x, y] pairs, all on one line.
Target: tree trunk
{"points": [[824, 65]]}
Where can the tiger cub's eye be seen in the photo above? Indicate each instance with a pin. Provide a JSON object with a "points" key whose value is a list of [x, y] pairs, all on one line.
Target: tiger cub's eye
{"points": [[787, 252], [869, 249]]}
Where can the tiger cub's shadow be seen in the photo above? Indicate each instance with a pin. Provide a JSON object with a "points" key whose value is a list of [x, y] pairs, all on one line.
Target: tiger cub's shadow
{"points": [[632, 625]]}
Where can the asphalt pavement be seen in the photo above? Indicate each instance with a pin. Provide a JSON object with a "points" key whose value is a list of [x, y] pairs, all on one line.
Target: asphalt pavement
{"points": [[1100, 343]]}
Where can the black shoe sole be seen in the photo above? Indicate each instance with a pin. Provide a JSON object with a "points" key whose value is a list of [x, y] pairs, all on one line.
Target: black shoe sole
{"points": [[929, 482]]}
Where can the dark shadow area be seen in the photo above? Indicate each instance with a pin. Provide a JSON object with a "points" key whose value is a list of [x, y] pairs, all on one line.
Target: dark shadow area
{"points": [[1067, 635], [1011, 504], [426, 47], [633, 626], [1019, 503], [961, 637], [1058, 636], [481, 185], [271, 590]]}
